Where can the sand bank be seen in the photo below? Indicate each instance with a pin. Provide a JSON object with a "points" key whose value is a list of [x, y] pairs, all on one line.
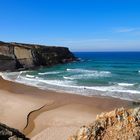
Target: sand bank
{"points": [[53, 115]]}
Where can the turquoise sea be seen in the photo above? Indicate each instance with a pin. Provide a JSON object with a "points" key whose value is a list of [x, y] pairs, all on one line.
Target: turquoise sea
{"points": [[114, 74]]}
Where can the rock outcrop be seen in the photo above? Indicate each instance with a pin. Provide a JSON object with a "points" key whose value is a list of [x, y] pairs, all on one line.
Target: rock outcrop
{"points": [[7, 133], [18, 55], [120, 124]]}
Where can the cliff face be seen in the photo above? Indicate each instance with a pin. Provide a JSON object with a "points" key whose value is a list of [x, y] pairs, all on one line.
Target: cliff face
{"points": [[120, 124], [17, 55]]}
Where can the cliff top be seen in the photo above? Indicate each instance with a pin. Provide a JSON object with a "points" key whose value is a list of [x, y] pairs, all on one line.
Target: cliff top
{"points": [[26, 45]]}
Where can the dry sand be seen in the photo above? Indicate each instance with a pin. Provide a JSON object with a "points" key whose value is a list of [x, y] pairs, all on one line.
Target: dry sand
{"points": [[48, 115]]}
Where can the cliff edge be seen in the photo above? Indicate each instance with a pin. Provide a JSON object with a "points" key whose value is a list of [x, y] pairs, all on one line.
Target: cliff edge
{"points": [[120, 124], [18, 55]]}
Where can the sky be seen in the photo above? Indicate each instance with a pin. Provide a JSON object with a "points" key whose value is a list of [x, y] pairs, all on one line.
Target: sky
{"points": [[81, 25]]}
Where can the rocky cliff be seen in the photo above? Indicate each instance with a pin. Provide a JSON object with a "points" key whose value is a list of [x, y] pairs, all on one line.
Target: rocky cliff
{"points": [[7, 133], [18, 55], [120, 124]]}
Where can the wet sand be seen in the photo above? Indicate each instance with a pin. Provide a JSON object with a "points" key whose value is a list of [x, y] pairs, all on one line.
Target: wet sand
{"points": [[43, 113]]}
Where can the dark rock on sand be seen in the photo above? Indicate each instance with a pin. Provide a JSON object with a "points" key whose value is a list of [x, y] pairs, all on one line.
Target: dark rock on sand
{"points": [[7, 133]]}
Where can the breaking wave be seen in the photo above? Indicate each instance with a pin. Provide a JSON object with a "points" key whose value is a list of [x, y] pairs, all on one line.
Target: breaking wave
{"points": [[119, 90], [82, 73], [87, 71], [126, 84], [69, 78], [29, 76], [69, 81], [48, 73]]}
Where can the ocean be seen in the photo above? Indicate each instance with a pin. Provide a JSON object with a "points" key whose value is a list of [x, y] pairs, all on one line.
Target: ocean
{"points": [[111, 74]]}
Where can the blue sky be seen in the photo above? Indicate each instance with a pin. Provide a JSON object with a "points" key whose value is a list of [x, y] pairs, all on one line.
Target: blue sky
{"points": [[81, 25]]}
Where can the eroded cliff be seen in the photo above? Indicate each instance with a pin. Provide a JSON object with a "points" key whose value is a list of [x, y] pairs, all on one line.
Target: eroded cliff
{"points": [[120, 124], [18, 55]]}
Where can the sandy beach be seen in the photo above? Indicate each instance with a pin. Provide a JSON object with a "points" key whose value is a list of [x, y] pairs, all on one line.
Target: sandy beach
{"points": [[42, 114]]}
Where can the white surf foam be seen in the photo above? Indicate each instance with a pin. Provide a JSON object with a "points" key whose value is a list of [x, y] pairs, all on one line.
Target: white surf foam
{"points": [[29, 76], [4, 76], [83, 70], [57, 82], [82, 73], [28, 81], [48, 73], [87, 76], [126, 84], [119, 90], [68, 78], [71, 85], [80, 70], [10, 75], [19, 74], [113, 89]]}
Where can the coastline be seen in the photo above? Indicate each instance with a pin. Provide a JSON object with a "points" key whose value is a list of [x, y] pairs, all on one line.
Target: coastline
{"points": [[37, 110]]}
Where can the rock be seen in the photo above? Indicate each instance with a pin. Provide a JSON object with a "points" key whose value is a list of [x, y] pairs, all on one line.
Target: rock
{"points": [[18, 55], [7, 133], [120, 124]]}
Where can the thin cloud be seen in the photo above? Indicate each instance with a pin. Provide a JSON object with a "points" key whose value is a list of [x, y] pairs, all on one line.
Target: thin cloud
{"points": [[86, 40], [126, 30]]}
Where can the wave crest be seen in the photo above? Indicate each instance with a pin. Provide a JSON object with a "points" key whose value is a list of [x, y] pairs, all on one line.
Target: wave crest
{"points": [[29, 76], [68, 78], [82, 73], [48, 73], [126, 84], [87, 74]]}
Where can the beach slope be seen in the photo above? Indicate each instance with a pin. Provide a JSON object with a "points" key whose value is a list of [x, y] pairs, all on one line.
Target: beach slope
{"points": [[43, 113]]}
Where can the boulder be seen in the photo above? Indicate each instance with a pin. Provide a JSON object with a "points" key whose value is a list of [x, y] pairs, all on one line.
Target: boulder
{"points": [[7, 133]]}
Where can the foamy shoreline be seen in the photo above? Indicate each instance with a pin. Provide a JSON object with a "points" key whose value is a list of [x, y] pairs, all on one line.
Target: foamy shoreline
{"points": [[117, 90], [59, 111]]}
